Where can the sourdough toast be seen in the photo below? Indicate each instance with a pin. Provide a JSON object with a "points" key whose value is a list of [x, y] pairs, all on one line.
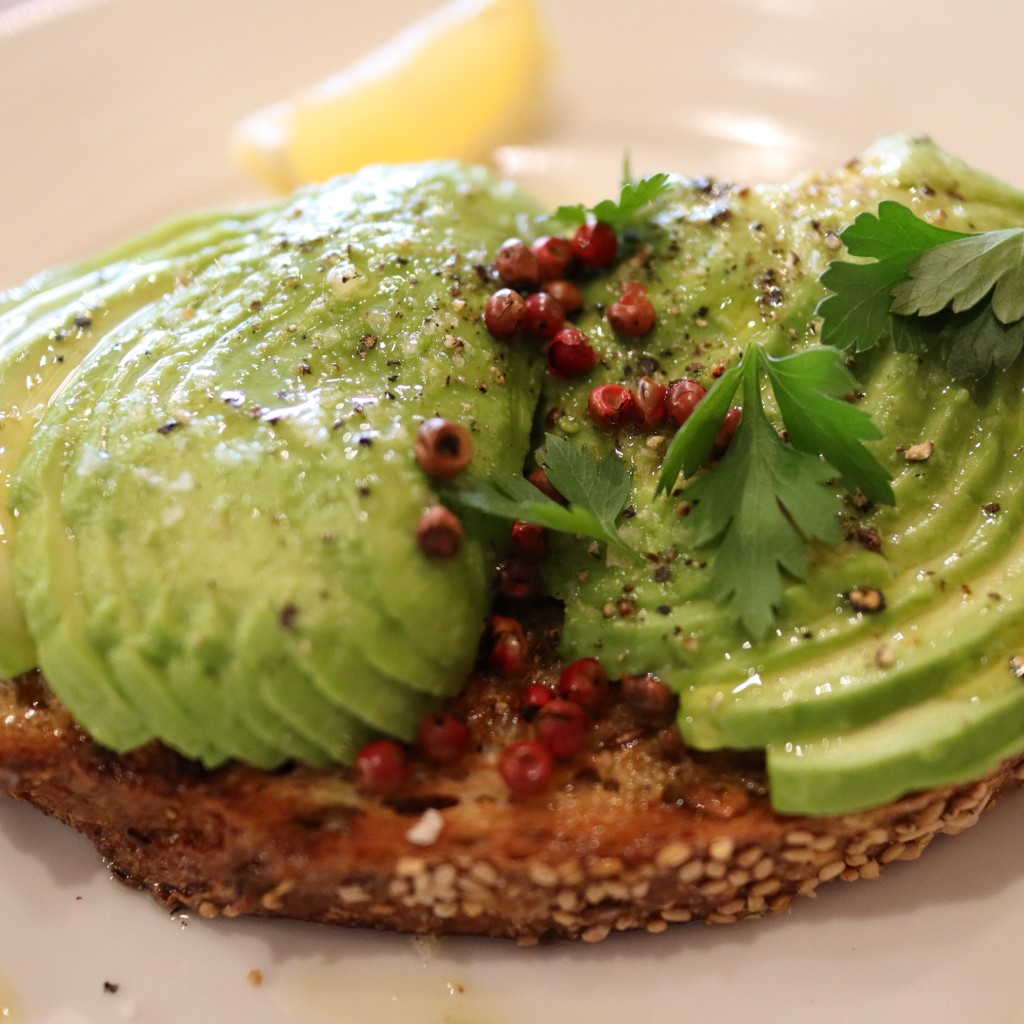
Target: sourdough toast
{"points": [[636, 831]]}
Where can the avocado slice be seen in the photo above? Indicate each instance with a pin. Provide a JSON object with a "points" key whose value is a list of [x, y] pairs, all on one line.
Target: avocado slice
{"points": [[250, 436], [726, 267], [47, 327], [954, 737], [88, 693]]}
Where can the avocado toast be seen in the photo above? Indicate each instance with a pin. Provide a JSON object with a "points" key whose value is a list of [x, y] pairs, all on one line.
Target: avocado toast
{"points": [[215, 519]]}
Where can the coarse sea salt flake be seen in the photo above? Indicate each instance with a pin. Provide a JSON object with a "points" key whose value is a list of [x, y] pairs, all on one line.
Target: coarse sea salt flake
{"points": [[427, 829]]}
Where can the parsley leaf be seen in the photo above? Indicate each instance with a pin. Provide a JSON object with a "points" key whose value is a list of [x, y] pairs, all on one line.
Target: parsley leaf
{"points": [[633, 197], [962, 272], [596, 489], [761, 504], [961, 295], [858, 314], [982, 342], [810, 388], [766, 498], [694, 442]]}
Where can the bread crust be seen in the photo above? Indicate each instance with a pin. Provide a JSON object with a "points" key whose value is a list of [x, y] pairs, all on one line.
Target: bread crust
{"points": [[622, 840]]}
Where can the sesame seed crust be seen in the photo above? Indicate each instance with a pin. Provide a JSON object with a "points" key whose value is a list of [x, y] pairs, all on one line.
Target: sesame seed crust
{"points": [[582, 861]]}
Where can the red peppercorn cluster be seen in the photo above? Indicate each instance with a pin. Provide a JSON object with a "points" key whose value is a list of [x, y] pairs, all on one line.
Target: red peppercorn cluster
{"points": [[646, 406], [537, 295], [557, 721], [560, 719], [443, 450], [383, 766]]}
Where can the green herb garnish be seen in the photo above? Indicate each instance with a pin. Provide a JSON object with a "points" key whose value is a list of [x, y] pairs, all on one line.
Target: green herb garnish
{"points": [[928, 289], [596, 489], [633, 197], [766, 498]]}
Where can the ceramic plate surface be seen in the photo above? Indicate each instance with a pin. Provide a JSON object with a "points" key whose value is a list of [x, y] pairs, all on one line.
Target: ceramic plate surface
{"points": [[113, 115]]}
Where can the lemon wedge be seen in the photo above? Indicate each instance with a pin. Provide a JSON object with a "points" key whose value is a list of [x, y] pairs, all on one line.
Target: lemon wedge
{"points": [[454, 84]]}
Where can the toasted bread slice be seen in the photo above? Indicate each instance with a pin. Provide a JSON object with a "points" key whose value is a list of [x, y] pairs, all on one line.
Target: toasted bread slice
{"points": [[635, 832]]}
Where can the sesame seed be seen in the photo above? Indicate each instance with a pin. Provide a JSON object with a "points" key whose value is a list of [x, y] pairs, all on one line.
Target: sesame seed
{"points": [[733, 907], [893, 852], [690, 872], [749, 857], [571, 873], [543, 875], [352, 894], [673, 856], [768, 887], [484, 873], [410, 866], [715, 869], [799, 855], [605, 867], [831, 870], [715, 887], [677, 915], [444, 876], [799, 837], [722, 849], [567, 899]]}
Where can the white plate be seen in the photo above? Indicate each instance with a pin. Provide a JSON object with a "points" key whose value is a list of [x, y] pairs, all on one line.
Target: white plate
{"points": [[113, 114]]}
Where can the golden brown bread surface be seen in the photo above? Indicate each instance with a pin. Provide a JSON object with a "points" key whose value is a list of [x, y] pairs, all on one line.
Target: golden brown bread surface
{"points": [[636, 832]]}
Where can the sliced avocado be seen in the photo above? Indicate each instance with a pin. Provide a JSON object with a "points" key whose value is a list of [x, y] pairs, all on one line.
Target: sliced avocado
{"points": [[324, 688], [253, 734], [251, 436], [726, 267], [949, 608], [243, 685], [412, 594], [54, 609], [955, 737], [47, 327]]}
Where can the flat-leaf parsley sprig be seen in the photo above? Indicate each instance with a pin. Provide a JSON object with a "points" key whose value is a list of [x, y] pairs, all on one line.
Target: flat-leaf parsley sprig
{"points": [[596, 491], [633, 197], [767, 498], [928, 289]]}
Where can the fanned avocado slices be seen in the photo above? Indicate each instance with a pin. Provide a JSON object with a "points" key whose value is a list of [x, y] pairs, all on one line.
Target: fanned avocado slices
{"points": [[229, 480], [919, 600]]}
